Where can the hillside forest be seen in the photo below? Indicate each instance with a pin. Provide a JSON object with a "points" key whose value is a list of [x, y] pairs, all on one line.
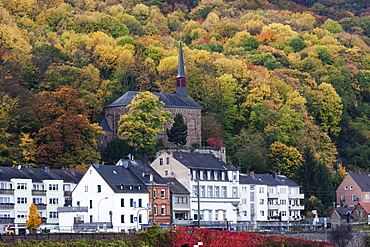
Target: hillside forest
{"points": [[284, 85]]}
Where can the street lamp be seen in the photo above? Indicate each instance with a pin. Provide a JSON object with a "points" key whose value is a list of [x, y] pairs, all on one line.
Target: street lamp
{"points": [[98, 209]]}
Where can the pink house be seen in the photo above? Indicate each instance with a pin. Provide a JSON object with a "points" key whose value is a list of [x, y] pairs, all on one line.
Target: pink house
{"points": [[355, 188]]}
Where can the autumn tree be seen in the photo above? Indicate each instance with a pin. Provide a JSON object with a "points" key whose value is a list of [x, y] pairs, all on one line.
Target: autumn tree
{"points": [[34, 221], [66, 137], [143, 122], [179, 131], [285, 160]]}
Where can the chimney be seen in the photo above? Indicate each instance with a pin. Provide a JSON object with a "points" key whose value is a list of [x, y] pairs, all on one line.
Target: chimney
{"points": [[181, 78], [274, 175], [251, 173]]}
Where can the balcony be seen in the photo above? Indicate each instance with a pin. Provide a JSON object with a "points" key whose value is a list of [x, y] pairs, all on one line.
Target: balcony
{"points": [[297, 207], [296, 196], [72, 209], [6, 191], [41, 206], [182, 222], [38, 192], [272, 195], [274, 206], [4, 221], [6, 205]]}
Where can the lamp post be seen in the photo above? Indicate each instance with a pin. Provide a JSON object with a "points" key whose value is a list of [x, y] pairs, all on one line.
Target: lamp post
{"points": [[98, 209]]}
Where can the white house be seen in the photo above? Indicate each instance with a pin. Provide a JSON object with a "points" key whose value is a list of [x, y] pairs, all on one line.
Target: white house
{"points": [[107, 197], [269, 198], [218, 184], [46, 188]]}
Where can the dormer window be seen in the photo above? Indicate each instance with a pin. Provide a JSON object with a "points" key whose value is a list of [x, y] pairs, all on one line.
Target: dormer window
{"points": [[122, 187], [139, 187], [131, 186], [161, 161]]}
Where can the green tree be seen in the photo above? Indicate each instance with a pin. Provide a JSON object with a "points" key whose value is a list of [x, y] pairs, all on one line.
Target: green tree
{"points": [[143, 122], [285, 160], [116, 149], [179, 131], [34, 221]]}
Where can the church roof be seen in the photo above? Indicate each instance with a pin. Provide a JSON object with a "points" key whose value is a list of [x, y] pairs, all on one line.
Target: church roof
{"points": [[170, 99]]}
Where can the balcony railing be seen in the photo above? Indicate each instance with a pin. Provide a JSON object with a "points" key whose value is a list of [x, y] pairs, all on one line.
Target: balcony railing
{"points": [[38, 192], [6, 191], [272, 195], [6, 221], [297, 207], [41, 206], [182, 222], [67, 193], [274, 206], [296, 196], [6, 205]]}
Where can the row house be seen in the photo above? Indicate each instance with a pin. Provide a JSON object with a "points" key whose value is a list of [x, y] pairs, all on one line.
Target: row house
{"points": [[212, 184], [107, 197], [268, 198], [47, 188]]}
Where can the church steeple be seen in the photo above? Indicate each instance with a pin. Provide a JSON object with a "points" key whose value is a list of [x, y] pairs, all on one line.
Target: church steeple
{"points": [[181, 78]]}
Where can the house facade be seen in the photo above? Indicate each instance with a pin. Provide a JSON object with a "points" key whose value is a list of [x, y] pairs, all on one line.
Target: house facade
{"points": [[353, 189], [361, 213], [47, 188], [110, 198], [269, 198], [216, 183], [179, 102]]}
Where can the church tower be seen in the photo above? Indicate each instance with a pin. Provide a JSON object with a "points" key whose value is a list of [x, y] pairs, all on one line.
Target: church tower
{"points": [[181, 78]]}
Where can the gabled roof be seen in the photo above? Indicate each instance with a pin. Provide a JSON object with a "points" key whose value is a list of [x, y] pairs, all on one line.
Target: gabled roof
{"points": [[176, 187], [121, 179], [170, 100], [363, 180], [344, 212], [365, 206], [39, 174], [266, 179], [202, 161], [143, 170]]}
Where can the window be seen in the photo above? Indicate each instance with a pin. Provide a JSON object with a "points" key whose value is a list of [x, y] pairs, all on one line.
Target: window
{"points": [[282, 190], [37, 200], [343, 198], [262, 190], [283, 213], [234, 176], [222, 175], [202, 191], [160, 161], [53, 215], [210, 191], [4, 215], [270, 201], [22, 214], [181, 200], [99, 188], [351, 187], [132, 203], [3, 186], [35, 187], [166, 173], [122, 202], [215, 174], [217, 191], [155, 209], [270, 190], [359, 213], [366, 196], [4, 199], [235, 192], [262, 201], [244, 201], [91, 219], [140, 203], [252, 196], [21, 186], [122, 218], [140, 218], [131, 218], [354, 197], [245, 213], [163, 193], [167, 161], [53, 200], [22, 200], [195, 190], [345, 187], [163, 210], [262, 213], [67, 187], [282, 202], [252, 187], [90, 203], [53, 186], [155, 193], [244, 189], [223, 192], [86, 188]]}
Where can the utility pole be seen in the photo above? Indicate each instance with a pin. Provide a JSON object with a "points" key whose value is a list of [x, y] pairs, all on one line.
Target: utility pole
{"points": [[198, 190], [153, 208]]}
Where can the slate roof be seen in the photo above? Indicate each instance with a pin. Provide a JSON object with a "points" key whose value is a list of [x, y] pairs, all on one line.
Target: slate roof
{"points": [[176, 187], [170, 100], [39, 174], [202, 161], [143, 170], [266, 179], [105, 126], [121, 179], [363, 180], [343, 211]]}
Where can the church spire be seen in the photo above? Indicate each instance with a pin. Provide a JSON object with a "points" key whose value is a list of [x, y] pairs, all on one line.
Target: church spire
{"points": [[181, 78]]}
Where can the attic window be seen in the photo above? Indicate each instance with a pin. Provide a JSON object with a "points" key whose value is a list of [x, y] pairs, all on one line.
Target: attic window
{"points": [[345, 187], [351, 187], [122, 187], [114, 172], [139, 187], [130, 186]]}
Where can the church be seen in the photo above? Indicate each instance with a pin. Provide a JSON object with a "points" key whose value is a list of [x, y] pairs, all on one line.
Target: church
{"points": [[179, 102]]}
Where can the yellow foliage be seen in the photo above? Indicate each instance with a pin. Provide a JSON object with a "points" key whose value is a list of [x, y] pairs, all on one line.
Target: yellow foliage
{"points": [[212, 18], [280, 30], [110, 56], [12, 38], [168, 63], [237, 68], [199, 56], [20, 7], [34, 221]]}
